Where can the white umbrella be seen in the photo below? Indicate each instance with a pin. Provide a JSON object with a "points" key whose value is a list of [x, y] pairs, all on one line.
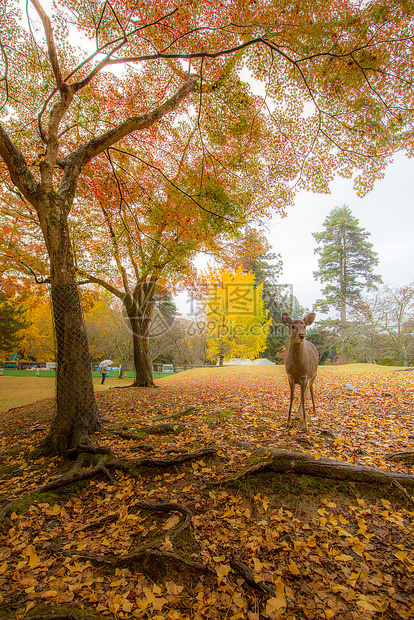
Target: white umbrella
{"points": [[106, 363]]}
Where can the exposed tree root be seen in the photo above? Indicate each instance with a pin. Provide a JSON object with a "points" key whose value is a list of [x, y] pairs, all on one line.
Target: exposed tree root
{"points": [[139, 557], [248, 576], [75, 475], [403, 491], [155, 429], [285, 461], [160, 429], [129, 465], [89, 448], [176, 416], [407, 457], [143, 447], [169, 507], [130, 436]]}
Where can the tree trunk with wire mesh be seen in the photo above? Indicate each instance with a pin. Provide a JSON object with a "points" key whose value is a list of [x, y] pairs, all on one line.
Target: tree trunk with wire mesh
{"points": [[76, 410]]}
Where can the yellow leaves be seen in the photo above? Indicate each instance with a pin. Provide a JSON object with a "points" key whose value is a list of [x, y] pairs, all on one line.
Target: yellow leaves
{"points": [[293, 568], [171, 522], [235, 314], [127, 606], [222, 571], [343, 557], [47, 594], [401, 555], [148, 600], [159, 603], [3, 567], [371, 603], [276, 603], [328, 543], [264, 501], [173, 589], [33, 557]]}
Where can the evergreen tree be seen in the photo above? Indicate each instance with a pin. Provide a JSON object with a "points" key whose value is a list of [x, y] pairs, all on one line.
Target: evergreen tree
{"points": [[267, 268], [346, 262], [12, 321]]}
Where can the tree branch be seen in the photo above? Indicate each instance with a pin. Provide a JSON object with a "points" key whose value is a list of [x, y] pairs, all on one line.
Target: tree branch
{"points": [[51, 47], [85, 153], [93, 280], [18, 169]]}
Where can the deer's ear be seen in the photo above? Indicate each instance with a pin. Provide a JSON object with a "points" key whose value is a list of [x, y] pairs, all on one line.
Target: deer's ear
{"points": [[309, 318], [286, 320]]}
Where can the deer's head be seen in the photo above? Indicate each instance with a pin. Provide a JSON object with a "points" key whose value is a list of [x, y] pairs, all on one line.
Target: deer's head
{"points": [[297, 327]]}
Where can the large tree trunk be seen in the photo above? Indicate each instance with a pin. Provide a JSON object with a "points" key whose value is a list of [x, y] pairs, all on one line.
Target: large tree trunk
{"points": [[142, 355], [76, 410]]}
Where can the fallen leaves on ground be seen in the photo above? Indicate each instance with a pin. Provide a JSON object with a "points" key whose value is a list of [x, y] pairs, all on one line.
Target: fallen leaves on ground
{"points": [[338, 550]]}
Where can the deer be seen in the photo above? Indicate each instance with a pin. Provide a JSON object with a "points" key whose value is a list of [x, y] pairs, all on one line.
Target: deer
{"points": [[301, 362]]}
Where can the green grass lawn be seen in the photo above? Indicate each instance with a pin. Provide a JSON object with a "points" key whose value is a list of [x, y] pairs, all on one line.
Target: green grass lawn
{"points": [[19, 391]]}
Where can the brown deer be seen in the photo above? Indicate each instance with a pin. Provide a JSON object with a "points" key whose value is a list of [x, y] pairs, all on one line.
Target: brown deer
{"points": [[301, 362]]}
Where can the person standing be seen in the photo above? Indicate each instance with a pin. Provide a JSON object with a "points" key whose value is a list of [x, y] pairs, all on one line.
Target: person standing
{"points": [[104, 372]]}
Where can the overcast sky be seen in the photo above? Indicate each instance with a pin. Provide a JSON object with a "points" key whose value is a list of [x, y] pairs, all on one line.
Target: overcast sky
{"points": [[386, 212]]}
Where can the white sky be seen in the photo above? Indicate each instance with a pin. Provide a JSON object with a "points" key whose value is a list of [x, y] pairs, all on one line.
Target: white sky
{"points": [[386, 212]]}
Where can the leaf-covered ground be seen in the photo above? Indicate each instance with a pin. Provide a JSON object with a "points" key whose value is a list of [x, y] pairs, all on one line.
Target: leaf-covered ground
{"points": [[315, 548]]}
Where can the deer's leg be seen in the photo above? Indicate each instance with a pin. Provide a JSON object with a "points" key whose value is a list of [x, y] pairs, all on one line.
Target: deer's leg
{"points": [[303, 390], [311, 393], [292, 396], [301, 410]]}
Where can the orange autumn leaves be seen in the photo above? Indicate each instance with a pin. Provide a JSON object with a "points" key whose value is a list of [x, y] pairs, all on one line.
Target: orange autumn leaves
{"points": [[325, 550]]}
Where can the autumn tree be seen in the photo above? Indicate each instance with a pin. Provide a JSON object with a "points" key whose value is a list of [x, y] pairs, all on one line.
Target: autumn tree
{"points": [[336, 95], [346, 262], [149, 230], [235, 318]]}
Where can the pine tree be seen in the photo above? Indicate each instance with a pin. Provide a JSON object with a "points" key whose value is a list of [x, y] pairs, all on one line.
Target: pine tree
{"points": [[346, 262], [267, 267], [12, 321]]}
